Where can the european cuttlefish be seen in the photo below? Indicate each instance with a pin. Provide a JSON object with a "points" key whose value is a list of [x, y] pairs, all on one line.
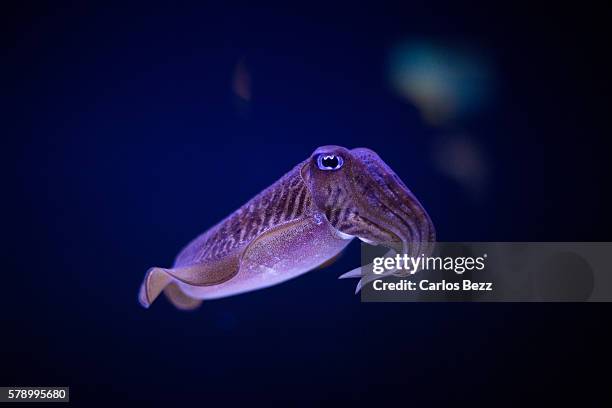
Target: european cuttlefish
{"points": [[297, 224]]}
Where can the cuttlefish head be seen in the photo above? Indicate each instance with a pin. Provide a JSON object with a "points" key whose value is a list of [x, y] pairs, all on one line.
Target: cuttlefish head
{"points": [[362, 197]]}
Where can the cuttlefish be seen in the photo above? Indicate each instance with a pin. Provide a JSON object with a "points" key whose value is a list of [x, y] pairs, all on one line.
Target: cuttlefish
{"points": [[300, 222]]}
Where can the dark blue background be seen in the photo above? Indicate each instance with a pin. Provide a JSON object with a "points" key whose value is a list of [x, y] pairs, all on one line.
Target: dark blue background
{"points": [[123, 141]]}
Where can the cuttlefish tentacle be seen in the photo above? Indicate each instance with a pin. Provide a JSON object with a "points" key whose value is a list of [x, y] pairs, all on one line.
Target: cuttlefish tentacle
{"points": [[300, 222], [366, 274]]}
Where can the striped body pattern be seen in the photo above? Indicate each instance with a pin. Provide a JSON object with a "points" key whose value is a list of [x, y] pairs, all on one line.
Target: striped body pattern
{"points": [[284, 201]]}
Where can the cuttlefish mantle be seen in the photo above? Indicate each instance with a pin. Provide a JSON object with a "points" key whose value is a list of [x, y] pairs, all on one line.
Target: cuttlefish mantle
{"points": [[298, 223]]}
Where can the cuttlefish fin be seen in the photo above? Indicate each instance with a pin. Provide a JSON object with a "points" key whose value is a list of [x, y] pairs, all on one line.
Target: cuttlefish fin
{"points": [[154, 283], [202, 274], [180, 299]]}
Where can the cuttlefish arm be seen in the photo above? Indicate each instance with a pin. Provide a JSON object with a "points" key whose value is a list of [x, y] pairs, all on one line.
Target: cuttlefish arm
{"points": [[302, 221], [366, 274]]}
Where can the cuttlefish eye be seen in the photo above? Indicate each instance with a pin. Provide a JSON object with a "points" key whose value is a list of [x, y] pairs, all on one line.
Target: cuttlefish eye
{"points": [[329, 162]]}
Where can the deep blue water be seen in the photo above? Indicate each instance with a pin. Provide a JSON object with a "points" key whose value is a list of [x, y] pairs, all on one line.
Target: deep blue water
{"points": [[123, 141]]}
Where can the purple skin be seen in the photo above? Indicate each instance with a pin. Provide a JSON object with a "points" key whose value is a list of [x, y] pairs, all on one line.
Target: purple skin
{"points": [[300, 222]]}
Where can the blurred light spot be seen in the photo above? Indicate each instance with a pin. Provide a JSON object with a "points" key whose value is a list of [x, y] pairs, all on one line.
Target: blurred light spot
{"points": [[442, 82], [241, 88], [241, 82], [462, 160]]}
